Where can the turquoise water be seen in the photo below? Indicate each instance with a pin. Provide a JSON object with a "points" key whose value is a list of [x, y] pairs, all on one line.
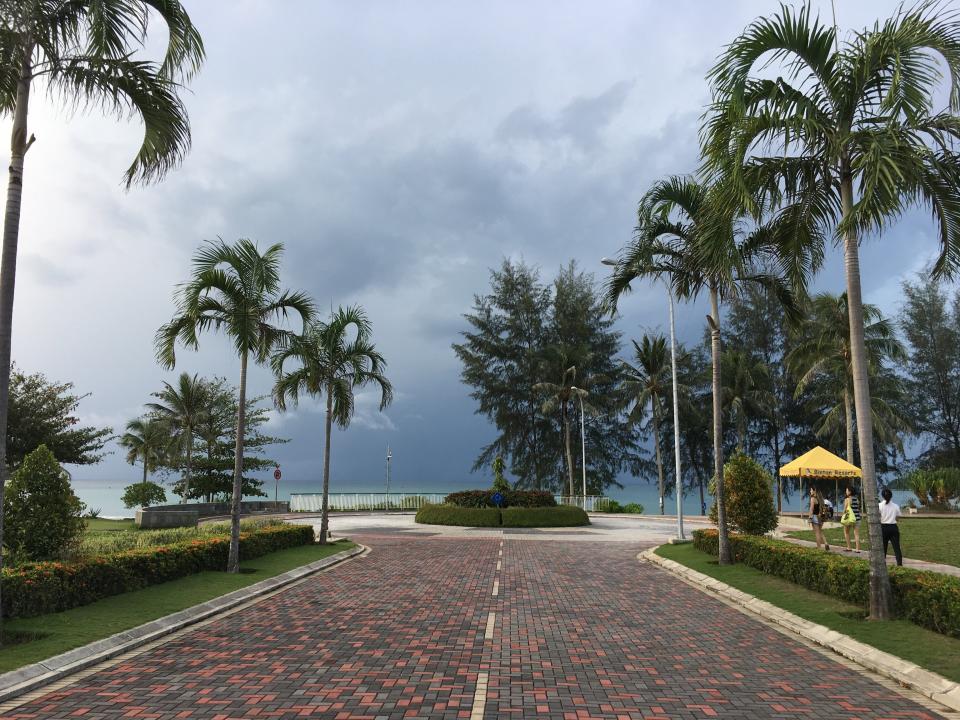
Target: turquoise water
{"points": [[105, 495]]}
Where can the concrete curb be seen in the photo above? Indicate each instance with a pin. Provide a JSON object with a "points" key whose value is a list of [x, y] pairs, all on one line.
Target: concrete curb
{"points": [[37, 675], [930, 685]]}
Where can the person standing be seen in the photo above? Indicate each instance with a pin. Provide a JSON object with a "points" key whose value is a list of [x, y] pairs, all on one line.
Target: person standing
{"points": [[851, 517], [889, 512], [817, 515]]}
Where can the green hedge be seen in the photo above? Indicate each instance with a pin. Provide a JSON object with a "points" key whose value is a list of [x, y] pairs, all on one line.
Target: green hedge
{"points": [[926, 598], [454, 515], [41, 588], [511, 498], [560, 516]]}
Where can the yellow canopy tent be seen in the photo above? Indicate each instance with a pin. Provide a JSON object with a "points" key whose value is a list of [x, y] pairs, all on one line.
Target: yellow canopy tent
{"points": [[820, 464]]}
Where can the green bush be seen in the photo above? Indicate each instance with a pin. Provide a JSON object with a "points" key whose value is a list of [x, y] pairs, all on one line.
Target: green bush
{"points": [[511, 498], [46, 587], [42, 515], [926, 598], [103, 543], [608, 505], [454, 515], [749, 498], [560, 516], [633, 508], [143, 494]]}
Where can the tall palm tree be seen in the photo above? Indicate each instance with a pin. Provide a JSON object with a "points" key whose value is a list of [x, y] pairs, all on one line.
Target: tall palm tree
{"points": [[745, 393], [645, 383], [147, 440], [235, 289], [850, 132], [559, 396], [823, 356], [335, 358], [86, 56], [184, 407], [687, 235]]}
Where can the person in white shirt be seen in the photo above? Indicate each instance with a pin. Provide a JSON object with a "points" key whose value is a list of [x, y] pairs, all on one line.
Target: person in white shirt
{"points": [[889, 512]]}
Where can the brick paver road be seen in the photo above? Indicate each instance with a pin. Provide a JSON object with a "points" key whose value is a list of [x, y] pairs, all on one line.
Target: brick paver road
{"points": [[581, 630]]}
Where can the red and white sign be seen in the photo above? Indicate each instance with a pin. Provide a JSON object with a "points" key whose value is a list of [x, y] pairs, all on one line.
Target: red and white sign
{"points": [[276, 474]]}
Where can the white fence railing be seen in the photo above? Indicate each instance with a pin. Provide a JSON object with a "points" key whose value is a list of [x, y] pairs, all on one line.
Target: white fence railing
{"points": [[311, 502]]}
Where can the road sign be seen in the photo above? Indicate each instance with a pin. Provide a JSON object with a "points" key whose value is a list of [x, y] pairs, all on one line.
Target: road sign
{"points": [[497, 499], [276, 474]]}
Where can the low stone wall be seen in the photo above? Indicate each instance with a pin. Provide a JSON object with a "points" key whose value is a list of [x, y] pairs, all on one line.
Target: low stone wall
{"points": [[187, 515]]}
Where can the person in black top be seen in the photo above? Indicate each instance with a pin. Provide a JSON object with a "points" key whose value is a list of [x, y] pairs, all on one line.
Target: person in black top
{"points": [[817, 507]]}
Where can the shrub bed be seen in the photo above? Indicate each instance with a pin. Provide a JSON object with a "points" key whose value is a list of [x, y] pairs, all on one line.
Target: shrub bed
{"points": [[41, 588], [511, 498], [926, 598], [559, 516]]}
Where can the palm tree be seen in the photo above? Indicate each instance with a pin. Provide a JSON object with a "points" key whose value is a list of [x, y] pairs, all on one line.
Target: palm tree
{"points": [[848, 131], [184, 407], [646, 383], [86, 56], [331, 363], [235, 289], [559, 396], [687, 235], [745, 393], [823, 356], [147, 440]]}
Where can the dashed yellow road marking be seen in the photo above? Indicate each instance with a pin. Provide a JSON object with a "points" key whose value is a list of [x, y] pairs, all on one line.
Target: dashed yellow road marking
{"points": [[480, 696], [491, 620]]}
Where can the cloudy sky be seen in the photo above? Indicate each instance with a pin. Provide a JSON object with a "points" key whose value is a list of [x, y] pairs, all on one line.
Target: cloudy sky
{"points": [[398, 150]]}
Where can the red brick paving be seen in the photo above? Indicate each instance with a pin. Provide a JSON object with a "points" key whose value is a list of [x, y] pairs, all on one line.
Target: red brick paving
{"points": [[582, 631]]}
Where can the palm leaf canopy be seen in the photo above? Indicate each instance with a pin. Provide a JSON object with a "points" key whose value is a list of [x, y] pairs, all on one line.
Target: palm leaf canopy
{"points": [[85, 50], [335, 357], [235, 289], [865, 111]]}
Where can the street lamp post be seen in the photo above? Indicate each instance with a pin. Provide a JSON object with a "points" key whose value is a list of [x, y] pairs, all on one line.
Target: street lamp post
{"points": [[583, 447], [676, 406], [389, 456]]}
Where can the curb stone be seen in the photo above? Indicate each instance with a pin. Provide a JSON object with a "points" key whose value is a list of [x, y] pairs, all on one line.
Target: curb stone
{"points": [[929, 684], [35, 676]]}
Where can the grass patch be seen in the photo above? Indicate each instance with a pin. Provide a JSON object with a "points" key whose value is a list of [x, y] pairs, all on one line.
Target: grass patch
{"points": [[935, 540], [937, 653], [98, 525], [49, 635]]}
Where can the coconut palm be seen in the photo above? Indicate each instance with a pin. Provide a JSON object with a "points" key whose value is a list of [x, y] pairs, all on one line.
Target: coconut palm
{"points": [[688, 236], [184, 407], [147, 440], [335, 358], [745, 391], [851, 132], [559, 396], [236, 289], [645, 383], [822, 357], [87, 56]]}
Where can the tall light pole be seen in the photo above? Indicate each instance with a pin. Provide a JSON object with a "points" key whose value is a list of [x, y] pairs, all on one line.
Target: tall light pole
{"points": [[389, 456], [678, 482], [583, 446]]}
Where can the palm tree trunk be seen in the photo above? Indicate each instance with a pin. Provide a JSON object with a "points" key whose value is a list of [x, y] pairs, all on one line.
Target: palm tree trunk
{"points": [[325, 501], [656, 447], [848, 419], [566, 441], [723, 540], [8, 260], [233, 562], [144, 468], [186, 480], [881, 597]]}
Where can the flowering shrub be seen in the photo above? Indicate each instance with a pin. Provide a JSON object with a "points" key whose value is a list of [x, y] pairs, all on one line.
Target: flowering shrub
{"points": [[46, 587], [926, 598], [511, 498]]}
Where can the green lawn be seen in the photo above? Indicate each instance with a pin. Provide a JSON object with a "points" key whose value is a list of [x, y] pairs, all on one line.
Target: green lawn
{"points": [[79, 626], [931, 539], [97, 525], [902, 638]]}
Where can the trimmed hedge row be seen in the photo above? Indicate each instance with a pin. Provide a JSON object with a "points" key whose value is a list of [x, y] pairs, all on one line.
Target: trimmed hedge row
{"points": [[41, 588], [559, 516], [925, 598], [511, 498]]}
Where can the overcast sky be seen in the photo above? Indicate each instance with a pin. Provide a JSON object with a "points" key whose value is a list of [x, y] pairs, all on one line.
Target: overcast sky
{"points": [[398, 150]]}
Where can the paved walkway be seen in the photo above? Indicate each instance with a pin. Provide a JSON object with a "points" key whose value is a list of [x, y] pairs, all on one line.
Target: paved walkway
{"points": [[453, 627]]}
